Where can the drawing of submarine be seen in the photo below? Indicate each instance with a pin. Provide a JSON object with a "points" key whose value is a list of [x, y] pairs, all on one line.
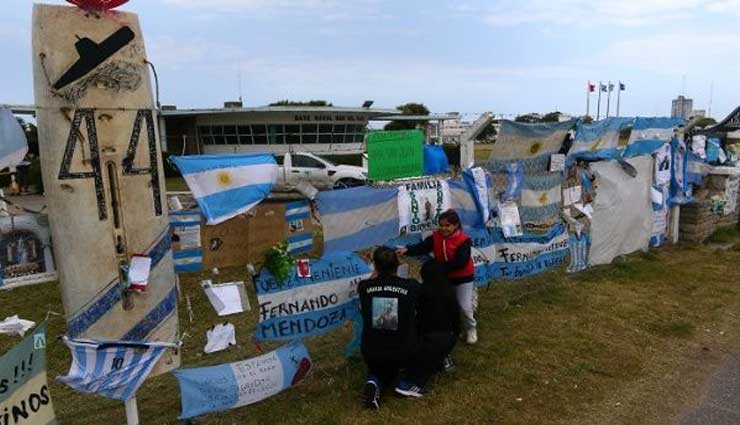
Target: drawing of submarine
{"points": [[93, 54]]}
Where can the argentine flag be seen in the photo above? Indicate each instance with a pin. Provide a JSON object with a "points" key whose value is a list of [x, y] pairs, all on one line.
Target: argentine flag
{"points": [[113, 369], [227, 185]]}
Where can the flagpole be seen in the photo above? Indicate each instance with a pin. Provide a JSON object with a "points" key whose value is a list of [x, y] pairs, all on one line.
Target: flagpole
{"points": [[608, 96], [598, 106], [132, 412], [588, 97], [619, 92]]}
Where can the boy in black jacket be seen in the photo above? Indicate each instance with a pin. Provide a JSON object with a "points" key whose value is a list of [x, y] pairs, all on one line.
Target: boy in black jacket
{"points": [[390, 326]]}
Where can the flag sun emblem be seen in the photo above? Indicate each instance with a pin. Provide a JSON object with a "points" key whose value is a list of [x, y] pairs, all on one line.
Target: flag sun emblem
{"points": [[224, 178]]}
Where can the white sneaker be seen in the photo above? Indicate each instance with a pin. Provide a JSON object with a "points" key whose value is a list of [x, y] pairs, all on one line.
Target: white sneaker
{"points": [[472, 337]]}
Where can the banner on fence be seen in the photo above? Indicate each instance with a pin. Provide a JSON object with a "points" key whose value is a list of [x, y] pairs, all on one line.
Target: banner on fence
{"points": [[420, 203], [24, 391], [515, 258], [232, 385], [301, 307]]}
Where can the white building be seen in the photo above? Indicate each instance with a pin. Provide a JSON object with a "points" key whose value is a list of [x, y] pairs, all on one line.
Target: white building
{"points": [[681, 107]]}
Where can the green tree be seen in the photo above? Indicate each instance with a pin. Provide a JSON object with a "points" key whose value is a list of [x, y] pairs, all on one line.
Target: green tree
{"points": [[531, 118], [488, 133], [552, 117], [705, 122], [408, 109], [287, 102]]}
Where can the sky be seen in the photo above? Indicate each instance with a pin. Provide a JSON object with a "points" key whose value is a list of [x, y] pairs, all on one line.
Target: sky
{"points": [[504, 56]]}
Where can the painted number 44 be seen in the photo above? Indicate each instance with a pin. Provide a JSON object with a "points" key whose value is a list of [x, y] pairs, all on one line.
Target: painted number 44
{"points": [[87, 116]]}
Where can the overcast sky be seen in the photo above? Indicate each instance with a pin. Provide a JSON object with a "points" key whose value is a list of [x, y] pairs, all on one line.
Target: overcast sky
{"points": [[510, 57]]}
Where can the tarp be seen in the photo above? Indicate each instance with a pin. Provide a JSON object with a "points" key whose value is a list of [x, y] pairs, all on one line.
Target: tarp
{"points": [[435, 160], [623, 214]]}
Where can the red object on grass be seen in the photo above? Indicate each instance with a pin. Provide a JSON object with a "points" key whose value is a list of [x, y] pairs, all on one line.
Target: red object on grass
{"points": [[97, 4]]}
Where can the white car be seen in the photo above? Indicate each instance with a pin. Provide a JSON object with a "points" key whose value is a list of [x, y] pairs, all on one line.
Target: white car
{"points": [[299, 167]]}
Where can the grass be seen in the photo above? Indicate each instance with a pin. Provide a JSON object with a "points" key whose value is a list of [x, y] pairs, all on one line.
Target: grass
{"points": [[624, 343]]}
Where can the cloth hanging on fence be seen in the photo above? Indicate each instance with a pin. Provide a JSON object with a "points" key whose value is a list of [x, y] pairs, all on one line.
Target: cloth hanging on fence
{"points": [[579, 246], [649, 134], [622, 219], [605, 139]]}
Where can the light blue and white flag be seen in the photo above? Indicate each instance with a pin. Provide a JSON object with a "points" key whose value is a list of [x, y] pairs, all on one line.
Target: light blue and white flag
{"points": [[13, 144], [579, 246], [605, 139], [357, 218], [228, 185], [649, 134], [232, 385], [302, 307], [480, 186], [112, 369], [527, 255], [187, 249]]}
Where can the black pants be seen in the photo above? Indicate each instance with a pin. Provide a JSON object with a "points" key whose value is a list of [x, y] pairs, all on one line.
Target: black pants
{"points": [[385, 367], [428, 359]]}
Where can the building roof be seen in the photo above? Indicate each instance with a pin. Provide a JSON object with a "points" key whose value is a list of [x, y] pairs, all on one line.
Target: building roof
{"points": [[430, 117], [20, 109], [371, 112]]}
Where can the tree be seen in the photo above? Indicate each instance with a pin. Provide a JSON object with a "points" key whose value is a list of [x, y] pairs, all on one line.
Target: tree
{"points": [[408, 109], [287, 102], [488, 133], [705, 122], [552, 117], [531, 118]]}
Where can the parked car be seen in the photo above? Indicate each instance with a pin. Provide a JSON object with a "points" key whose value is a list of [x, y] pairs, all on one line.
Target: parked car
{"points": [[321, 173]]}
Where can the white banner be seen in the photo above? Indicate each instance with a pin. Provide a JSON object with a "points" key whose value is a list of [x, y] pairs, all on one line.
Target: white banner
{"points": [[420, 203]]}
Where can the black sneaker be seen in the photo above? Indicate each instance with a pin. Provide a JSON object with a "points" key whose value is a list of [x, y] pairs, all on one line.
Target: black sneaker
{"points": [[372, 395], [448, 365]]}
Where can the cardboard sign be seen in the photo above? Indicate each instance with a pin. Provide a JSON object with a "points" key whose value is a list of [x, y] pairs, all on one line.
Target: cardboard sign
{"points": [[395, 154], [24, 391]]}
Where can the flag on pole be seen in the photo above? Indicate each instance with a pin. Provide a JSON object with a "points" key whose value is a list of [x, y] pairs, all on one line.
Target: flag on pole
{"points": [[602, 87], [111, 369], [591, 87], [611, 87], [228, 185], [622, 87]]}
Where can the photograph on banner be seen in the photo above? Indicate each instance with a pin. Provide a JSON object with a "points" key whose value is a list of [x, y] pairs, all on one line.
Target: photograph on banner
{"points": [[25, 251], [420, 203], [232, 385], [301, 307], [511, 222], [24, 390], [395, 154]]}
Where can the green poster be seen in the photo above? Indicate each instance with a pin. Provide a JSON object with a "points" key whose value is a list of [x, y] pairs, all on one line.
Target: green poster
{"points": [[395, 154], [24, 392]]}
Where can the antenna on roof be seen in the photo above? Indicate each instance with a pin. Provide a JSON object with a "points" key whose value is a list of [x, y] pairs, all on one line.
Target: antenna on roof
{"points": [[711, 93], [239, 76]]}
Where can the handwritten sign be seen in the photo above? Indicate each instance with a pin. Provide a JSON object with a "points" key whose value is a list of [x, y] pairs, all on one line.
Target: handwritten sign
{"points": [[24, 392], [395, 154], [232, 385], [314, 305], [420, 203]]}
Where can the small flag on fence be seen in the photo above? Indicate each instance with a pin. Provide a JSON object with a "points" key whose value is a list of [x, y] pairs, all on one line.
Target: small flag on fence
{"points": [[112, 369], [227, 185]]}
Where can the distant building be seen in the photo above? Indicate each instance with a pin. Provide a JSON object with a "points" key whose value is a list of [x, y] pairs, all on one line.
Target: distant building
{"points": [[699, 113], [681, 107]]}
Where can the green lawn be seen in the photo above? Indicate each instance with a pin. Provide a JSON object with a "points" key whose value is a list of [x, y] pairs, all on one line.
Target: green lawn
{"points": [[628, 343]]}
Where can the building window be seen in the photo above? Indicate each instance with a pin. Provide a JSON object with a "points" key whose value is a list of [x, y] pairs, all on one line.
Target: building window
{"points": [[260, 134]]}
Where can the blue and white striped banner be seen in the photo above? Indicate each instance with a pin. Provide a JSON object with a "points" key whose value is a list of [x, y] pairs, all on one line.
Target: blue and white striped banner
{"points": [[112, 369], [302, 307], [299, 244], [299, 240], [232, 385], [579, 247], [649, 134], [600, 139], [186, 226], [357, 218], [298, 210], [227, 185]]}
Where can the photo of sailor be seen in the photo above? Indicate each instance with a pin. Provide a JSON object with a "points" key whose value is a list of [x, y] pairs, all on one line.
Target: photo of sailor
{"points": [[385, 313]]}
